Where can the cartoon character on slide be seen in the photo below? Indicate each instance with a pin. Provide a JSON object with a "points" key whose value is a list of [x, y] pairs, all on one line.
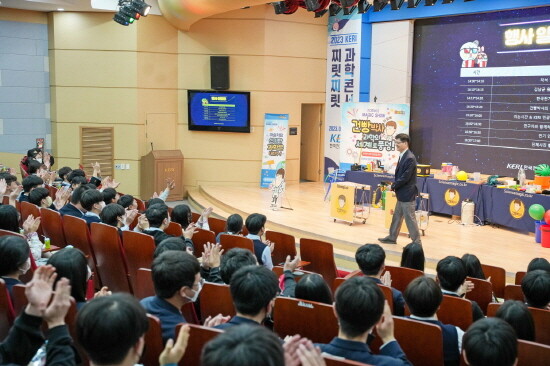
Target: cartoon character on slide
{"points": [[468, 53], [482, 58], [278, 187]]}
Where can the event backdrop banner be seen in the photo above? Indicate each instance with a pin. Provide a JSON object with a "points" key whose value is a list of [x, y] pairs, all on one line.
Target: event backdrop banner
{"points": [[343, 60], [368, 132], [274, 151]]}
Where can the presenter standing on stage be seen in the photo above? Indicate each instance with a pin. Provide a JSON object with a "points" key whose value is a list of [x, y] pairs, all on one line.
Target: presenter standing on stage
{"points": [[406, 192]]}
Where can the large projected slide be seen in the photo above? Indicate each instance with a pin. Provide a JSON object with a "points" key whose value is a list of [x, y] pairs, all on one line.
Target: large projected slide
{"points": [[481, 91]]}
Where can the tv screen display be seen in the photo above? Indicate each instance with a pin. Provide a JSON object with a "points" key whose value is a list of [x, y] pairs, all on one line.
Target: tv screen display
{"points": [[219, 111]]}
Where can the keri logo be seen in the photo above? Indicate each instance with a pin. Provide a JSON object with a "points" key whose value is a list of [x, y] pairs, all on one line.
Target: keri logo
{"points": [[519, 166]]}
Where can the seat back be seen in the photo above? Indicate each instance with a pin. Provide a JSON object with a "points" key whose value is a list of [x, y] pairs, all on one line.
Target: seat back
{"points": [[77, 234], [216, 225], [52, 225], [337, 361], [27, 209], [321, 255], [18, 299], [519, 277], [139, 249], [198, 337], [541, 318], [388, 295], [234, 241], [455, 311], [153, 341], [532, 354], [145, 286], [216, 299], [426, 337], [513, 292], [492, 309], [482, 293], [6, 311], [7, 232], [401, 276], [111, 261], [293, 316], [173, 229], [498, 278], [285, 244], [52, 190], [200, 238], [5, 200], [140, 204]]}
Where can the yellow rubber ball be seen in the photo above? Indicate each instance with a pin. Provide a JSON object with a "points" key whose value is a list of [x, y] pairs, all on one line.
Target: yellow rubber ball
{"points": [[462, 175]]}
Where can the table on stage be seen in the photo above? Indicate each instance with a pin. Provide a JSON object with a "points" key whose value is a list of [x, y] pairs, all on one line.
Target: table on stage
{"points": [[373, 179], [446, 196]]}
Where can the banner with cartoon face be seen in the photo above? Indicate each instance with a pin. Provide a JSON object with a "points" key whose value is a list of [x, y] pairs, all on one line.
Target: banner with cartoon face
{"points": [[343, 65], [368, 133], [274, 150]]}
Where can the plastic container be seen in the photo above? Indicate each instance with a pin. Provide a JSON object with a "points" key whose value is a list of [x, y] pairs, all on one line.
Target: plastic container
{"points": [[545, 236], [537, 231]]}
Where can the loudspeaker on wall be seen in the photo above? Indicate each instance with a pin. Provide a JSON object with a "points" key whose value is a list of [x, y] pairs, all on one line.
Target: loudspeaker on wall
{"points": [[219, 72]]}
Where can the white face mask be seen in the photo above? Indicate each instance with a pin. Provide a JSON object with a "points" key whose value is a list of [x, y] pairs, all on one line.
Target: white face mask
{"points": [[25, 266], [39, 160], [197, 292], [49, 201]]}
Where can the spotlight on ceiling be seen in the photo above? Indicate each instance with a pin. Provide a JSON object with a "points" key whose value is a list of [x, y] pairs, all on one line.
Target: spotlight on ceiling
{"points": [[396, 4], [279, 7], [141, 7], [413, 3], [379, 5], [131, 10], [430, 2], [468, 0], [334, 9], [312, 5], [363, 6], [448, 1]]}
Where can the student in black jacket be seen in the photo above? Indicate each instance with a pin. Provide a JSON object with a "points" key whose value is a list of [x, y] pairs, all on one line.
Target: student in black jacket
{"points": [[157, 216]]}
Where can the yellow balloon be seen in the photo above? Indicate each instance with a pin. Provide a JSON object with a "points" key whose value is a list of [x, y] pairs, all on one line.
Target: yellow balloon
{"points": [[462, 175]]}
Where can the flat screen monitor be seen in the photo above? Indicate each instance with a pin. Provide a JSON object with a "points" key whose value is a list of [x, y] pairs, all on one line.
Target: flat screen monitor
{"points": [[219, 110]]}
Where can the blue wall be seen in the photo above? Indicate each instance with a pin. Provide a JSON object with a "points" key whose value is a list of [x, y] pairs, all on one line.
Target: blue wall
{"points": [[24, 85], [458, 7]]}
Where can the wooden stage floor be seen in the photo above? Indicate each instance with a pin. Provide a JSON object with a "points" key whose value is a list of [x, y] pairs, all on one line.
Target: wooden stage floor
{"points": [[310, 218]]}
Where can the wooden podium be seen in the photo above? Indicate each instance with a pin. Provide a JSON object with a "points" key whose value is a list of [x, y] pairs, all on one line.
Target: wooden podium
{"points": [[155, 167]]}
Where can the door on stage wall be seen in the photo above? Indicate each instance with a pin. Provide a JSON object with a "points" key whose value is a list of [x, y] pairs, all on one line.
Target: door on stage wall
{"points": [[311, 137], [160, 130]]}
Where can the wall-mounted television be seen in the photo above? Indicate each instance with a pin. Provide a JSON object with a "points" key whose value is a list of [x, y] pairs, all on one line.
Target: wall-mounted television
{"points": [[227, 111]]}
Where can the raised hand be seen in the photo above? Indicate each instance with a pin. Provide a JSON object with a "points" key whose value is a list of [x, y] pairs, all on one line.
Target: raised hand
{"points": [[173, 353], [3, 186], [290, 265], [189, 231], [55, 313], [39, 290], [309, 355], [31, 224], [103, 292], [386, 279], [170, 183], [130, 217], [271, 245]]}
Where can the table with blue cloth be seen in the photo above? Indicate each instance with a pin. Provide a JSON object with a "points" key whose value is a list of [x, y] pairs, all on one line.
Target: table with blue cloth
{"points": [[373, 179], [446, 197], [509, 207]]}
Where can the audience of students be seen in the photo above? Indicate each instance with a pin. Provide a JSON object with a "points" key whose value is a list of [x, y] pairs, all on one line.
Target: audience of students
{"points": [[413, 256], [473, 266], [29, 183], [74, 207], [158, 219], [490, 342], [182, 215], [518, 316], [371, 261], [14, 260]]}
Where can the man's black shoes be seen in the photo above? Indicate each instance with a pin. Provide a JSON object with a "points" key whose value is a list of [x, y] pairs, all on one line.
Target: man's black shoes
{"points": [[386, 240]]}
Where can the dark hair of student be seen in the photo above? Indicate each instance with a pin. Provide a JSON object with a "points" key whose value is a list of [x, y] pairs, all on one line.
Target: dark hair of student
{"points": [[37, 195], [370, 258], [156, 214], [413, 257], [473, 266], [126, 200], [109, 326], [173, 270], [490, 342], [109, 194], [538, 263], [234, 224], [312, 287], [255, 222], [110, 214], [253, 288], [30, 182], [9, 218], [451, 273], [14, 252], [518, 316], [77, 194], [536, 288], [233, 260], [72, 264], [423, 297], [172, 243], [182, 215]]}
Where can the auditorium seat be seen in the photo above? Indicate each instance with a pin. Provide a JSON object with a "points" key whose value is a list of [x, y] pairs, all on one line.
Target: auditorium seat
{"points": [[27, 209], [321, 255], [216, 225], [77, 234], [401, 276], [146, 287], [195, 217], [498, 278], [52, 190], [482, 293], [153, 342], [200, 238], [139, 249], [284, 245], [18, 299], [492, 309], [415, 337], [310, 319], [337, 361], [135, 222], [198, 337], [111, 261], [541, 319], [513, 292], [6, 311], [455, 311], [229, 242], [140, 204], [532, 354], [10, 233], [5, 200], [52, 225], [174, 229], [519, 277], [215, 298]]}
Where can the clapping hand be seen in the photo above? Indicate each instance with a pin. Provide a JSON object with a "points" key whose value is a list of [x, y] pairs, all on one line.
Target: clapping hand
{"points": [[290, 265], [31, 224], [173, 353], [3, 186], [386, 279]]}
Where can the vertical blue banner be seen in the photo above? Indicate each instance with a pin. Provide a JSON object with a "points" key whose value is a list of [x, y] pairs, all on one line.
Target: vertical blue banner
{"points": [[274, 150]]}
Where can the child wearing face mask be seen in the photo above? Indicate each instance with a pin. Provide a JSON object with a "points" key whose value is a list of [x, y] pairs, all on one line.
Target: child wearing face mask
{"points": [[14, 260]]}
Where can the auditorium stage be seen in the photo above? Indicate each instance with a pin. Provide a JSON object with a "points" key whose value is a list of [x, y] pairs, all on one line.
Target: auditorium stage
{"points": [[310, 218]]}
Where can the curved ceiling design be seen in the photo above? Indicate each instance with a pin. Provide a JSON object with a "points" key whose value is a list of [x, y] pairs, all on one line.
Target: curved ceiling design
{"points": [[183, 13]]}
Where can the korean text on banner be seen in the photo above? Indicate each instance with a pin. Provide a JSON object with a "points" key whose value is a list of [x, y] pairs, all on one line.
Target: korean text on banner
{"points": [[343, 61], [368, 133], [274, 150]]}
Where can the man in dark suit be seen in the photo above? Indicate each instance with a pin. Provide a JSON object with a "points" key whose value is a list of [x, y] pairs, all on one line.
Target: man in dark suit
{"points": [[406, 192]]}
